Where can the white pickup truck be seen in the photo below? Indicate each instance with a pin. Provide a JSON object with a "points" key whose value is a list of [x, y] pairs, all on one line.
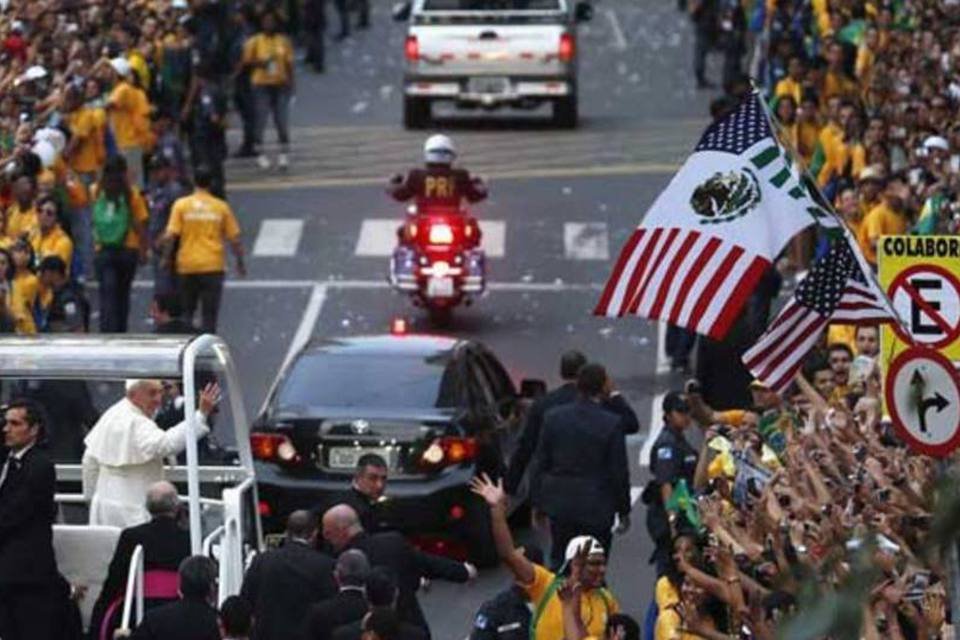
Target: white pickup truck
{"points": [[489, 54]]}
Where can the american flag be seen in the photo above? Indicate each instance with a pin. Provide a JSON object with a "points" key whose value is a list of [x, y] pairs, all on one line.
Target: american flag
{"points": [[835, 290], [693, 271]]}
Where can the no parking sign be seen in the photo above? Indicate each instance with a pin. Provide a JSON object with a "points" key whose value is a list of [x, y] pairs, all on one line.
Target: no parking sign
{"points": [[921, 275]]}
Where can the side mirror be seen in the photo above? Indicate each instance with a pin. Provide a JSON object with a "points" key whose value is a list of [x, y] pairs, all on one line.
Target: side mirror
{"points": [[532, 389], [583, 12], [401, 11]]}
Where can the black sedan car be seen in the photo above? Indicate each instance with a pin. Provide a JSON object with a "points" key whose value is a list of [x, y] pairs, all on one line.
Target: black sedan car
{"points": [[438, 410]]}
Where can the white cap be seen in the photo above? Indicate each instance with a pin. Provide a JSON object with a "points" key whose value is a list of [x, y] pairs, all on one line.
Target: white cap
{"points": [[936, 142], [594, 547], [35, 72], [121, 65]]}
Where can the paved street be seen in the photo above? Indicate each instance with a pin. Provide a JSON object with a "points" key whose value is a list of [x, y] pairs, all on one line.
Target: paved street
{"points": [[562, 204]]}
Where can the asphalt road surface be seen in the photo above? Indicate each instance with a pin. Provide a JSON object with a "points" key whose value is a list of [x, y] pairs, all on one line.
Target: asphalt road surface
{"points": [[562, 204]]}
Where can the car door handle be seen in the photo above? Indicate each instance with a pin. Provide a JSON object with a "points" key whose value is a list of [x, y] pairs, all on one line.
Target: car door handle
{"points": [[488, 35]]}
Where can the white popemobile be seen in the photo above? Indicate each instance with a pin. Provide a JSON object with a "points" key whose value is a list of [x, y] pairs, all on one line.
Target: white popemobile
{"points": [[224, 520]]}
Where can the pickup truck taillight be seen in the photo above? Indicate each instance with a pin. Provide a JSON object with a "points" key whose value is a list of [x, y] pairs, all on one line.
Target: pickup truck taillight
{"points": [[568, 47], [448, 451], [411, 49], [273, 447]]}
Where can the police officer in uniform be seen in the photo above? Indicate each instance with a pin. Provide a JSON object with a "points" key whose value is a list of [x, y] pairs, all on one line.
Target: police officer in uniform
{"points": [[69, 311], [506, 616], [672, 459]]}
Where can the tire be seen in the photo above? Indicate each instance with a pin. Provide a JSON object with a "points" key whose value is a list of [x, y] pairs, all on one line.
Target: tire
{"points": [[479, 535], [565, 113], [440, 316], [416, 113]]}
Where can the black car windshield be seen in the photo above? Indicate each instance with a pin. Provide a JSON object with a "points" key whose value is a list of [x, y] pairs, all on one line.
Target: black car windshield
{"points": [[373, 381], [491, 5]]}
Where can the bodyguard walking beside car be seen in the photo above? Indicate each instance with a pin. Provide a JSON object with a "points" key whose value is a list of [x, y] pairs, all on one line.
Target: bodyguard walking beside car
{"points": [[282, 583], [580, 471]]}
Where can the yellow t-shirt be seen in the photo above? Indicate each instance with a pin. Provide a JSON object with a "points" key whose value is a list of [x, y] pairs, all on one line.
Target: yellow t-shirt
{"points": [[139, 214], [837, 84], [87, 127], [22, 222], [273, 56], [24, 289], [130, 116], [596, 606], [668, 627], [881, 221], [202, 222], [55, 243]]}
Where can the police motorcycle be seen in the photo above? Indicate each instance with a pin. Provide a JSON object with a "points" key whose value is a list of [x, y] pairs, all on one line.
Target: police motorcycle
{"points": [[438, 261]]}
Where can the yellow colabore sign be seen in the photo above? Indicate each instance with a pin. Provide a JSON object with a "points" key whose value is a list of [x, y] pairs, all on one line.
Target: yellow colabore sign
{"points": [[921, 276]]}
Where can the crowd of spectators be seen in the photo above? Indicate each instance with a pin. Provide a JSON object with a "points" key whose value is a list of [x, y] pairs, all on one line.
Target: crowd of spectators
{"points": [[110, 112]]}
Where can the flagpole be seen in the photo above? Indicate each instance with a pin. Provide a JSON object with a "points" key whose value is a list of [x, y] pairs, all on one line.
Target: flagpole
{"points": [[865, 267]]}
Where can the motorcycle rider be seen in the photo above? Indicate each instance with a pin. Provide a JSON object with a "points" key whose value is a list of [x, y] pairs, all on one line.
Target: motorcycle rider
{"points": [[439, 185]]}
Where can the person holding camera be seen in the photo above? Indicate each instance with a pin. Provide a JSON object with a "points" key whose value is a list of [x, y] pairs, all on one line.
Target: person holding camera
{"points": [[165, 545]]}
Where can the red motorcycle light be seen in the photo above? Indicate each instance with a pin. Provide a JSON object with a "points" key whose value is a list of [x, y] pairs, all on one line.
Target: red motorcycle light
{"points": [[411, 49], [441, 234], [568, 47]]}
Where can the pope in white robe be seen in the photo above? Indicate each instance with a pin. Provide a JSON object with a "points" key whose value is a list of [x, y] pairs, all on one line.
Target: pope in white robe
{"points": [[125, 452]]}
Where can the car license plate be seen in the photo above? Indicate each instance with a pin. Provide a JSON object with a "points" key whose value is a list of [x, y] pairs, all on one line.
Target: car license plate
{"points": [[347, 457], [440, 288], [489, 85]]}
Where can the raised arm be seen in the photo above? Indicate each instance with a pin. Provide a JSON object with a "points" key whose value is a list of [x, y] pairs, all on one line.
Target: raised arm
{"points": [[493, 493]]}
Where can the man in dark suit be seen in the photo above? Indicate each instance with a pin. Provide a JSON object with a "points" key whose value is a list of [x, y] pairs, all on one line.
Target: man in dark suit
{"points": [[165, 546], [366, 491], [389, 549], [31, 598], [580, 470], [282, 583], [570, 364], [192, 617], [349, 605], [382, 619]]}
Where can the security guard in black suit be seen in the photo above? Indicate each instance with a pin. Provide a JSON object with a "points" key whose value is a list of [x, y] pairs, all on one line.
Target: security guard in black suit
{"points": [[672, 458]]}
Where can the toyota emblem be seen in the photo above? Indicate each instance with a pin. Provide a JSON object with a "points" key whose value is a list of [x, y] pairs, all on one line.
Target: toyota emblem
{"points": [[360, 427]]}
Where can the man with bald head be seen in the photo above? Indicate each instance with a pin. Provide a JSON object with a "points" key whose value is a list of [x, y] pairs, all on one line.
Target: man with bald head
{"points": [[389, 549], [125, 451], [282, 583], [165, 545]]}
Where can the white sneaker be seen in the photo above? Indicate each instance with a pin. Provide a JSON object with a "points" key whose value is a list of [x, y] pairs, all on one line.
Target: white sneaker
{"points": [[282, 161], [263, 161]]}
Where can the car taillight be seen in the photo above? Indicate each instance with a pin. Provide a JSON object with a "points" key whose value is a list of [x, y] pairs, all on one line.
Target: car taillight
{"points": [[448, 451], [568, 47], [411, 49], [441, 234], [273, 447]]}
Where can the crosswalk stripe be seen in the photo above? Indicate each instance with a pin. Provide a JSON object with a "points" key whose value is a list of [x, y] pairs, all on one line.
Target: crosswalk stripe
{"points": [[278, 237], [494, 238], [586, 241], [378, 237]]}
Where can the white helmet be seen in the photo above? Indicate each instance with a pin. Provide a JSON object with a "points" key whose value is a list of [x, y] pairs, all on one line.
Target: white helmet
{"points": [[439, 149]]}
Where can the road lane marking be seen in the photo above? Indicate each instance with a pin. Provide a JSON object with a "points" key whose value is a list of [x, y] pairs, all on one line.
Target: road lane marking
{"points": [[494, 237], [626, 169], [378, 237], [619, 40], [663, 361], [506, 287], [318, 295], [586, 241], [278, 237], [656, 426]]}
